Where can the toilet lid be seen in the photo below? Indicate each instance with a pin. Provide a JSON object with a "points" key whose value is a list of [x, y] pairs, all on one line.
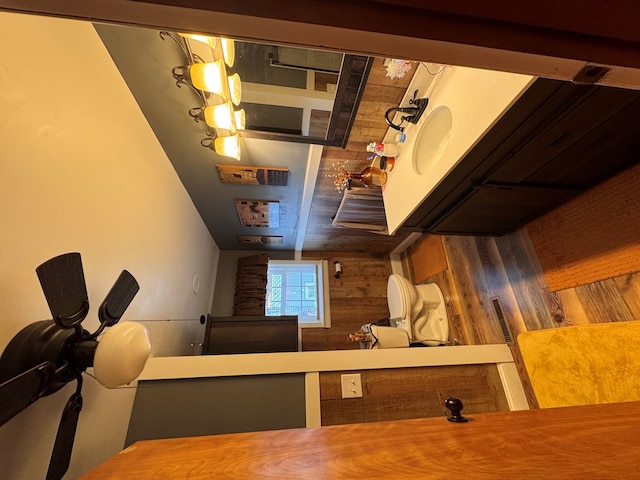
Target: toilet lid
{"points": [[396, 298]]}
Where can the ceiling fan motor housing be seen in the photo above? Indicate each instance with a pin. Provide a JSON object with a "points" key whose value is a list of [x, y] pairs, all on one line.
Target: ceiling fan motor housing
{"points": [[37, 343]]}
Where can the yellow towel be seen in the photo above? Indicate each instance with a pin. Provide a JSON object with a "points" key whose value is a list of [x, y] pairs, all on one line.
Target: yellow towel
{"points": [[584, 364]]}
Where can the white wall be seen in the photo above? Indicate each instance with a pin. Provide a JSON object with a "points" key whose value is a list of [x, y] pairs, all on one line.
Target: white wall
{"points": [[80, 170]]}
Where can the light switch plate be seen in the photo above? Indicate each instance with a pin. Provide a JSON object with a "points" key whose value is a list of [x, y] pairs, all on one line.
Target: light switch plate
{"points": [[351, 385]]}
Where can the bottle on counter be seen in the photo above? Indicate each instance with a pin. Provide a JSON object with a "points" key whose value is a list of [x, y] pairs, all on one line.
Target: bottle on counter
{"points": [[383, 149]]}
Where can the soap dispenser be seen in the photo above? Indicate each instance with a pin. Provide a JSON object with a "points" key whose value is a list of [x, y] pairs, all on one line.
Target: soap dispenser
{"points": [[383, 149]]}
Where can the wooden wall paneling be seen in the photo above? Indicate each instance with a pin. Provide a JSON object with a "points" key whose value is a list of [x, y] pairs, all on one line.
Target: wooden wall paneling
{"points": [[334, 338], [322, 80], [369, 125], [378, 75], [319, 123], [457, 314], [359, 296], [457, 331], [394, 394]]}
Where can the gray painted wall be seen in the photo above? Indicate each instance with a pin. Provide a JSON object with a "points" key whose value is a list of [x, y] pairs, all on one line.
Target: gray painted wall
{"points": [[209, 406], [145, 62]]}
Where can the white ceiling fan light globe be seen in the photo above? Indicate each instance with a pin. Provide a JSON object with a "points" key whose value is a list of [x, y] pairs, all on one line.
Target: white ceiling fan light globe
{"points": [[121, 354]]}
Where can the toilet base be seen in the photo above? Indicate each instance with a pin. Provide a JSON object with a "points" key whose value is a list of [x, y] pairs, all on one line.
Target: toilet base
{"points": [[433, 328]]}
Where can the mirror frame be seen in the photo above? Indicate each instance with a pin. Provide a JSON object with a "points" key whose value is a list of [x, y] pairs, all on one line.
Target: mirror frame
{"points": [[353, 78]]}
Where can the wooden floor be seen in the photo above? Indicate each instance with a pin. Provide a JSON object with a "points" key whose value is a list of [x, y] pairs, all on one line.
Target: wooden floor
{"points": [[482, 269]]}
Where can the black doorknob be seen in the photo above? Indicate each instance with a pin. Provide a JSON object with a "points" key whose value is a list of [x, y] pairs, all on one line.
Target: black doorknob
{"points": [[455, 406]]}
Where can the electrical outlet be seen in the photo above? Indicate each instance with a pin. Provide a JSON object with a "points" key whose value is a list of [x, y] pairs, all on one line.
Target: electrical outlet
{"points": [[351, 385]]}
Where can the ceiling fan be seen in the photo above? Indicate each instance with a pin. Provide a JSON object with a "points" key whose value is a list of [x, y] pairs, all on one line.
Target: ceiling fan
{"points": [[46, 355]]}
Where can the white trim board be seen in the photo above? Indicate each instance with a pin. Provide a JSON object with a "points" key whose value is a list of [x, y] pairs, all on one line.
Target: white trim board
{"points": [[302, 362], [312, 399], [311, 175], [512, 386]]}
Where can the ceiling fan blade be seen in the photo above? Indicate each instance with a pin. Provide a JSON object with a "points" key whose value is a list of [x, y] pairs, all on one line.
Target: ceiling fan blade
{"points": [[21, 391], [118, 299], [62, 281], [62, 448]]}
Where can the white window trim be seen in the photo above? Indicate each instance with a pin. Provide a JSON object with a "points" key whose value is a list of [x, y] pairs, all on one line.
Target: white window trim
{"points": [[323, 292]]}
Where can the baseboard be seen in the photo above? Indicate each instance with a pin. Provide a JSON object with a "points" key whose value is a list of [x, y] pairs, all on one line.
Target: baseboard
{"points": [[512, 386]]}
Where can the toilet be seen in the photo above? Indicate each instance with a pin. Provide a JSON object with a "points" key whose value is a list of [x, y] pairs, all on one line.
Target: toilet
{"points": [[417, 314]]}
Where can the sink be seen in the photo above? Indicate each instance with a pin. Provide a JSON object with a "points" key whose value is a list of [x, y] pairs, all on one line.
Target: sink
{"points": [[432, 139]]}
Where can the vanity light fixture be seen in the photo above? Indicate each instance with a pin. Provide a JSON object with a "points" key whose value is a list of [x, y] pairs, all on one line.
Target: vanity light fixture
{"points": [[211, 41], [209, 77], [241, 119], [228, 51], [221, 117], [217, 89], [228, 146]]}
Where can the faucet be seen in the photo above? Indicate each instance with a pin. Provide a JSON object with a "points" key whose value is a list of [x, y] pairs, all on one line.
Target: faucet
{"points": [[419, 105]]}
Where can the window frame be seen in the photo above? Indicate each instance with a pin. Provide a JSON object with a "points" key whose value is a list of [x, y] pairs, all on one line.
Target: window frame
{"points": [[322, 280]]}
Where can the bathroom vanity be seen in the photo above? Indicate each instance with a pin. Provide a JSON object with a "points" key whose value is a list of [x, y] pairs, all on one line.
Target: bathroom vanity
{"points": [[517, 147]]}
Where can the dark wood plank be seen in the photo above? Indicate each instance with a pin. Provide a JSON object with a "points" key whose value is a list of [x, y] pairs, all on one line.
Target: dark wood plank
{"points": [[398, 394], [603, 302]]}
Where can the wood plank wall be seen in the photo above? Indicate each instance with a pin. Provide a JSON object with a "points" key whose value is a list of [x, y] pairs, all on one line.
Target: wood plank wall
{"points": [[403, 393], [359, 296], [381, 93]]}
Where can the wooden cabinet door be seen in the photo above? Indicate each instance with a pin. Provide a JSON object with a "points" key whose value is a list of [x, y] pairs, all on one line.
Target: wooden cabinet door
{"points": [[494, 209]]}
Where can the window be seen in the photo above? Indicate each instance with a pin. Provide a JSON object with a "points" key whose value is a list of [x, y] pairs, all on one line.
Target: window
{"points": [[300, 288]]}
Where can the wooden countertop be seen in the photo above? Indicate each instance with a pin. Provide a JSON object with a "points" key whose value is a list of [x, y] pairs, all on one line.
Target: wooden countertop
{"points": [[595, 441]]}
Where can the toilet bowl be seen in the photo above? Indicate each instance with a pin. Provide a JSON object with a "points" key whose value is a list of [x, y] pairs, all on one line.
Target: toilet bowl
{"points": [[418, 309]]}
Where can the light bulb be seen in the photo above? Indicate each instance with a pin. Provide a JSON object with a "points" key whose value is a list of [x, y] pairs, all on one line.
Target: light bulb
{"points": [[121, 354], [211, 41], [228, 50], [235, 88], [221, 117], [210, 77], [240, 119], [228, 146]]}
